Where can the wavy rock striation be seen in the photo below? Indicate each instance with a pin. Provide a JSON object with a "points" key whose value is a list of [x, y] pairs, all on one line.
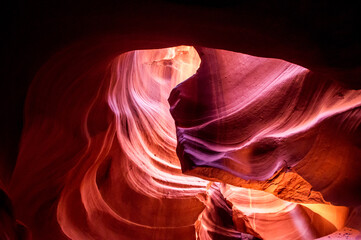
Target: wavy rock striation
{"points": [[252, 148]]}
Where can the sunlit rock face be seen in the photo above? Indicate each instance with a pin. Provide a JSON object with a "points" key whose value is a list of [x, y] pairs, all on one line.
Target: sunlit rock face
{"points": [[185, 143], [244, 120]]}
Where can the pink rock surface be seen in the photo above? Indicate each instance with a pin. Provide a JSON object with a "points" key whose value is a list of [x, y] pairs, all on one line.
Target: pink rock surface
{"points": [[102, 158], [256, 119]]}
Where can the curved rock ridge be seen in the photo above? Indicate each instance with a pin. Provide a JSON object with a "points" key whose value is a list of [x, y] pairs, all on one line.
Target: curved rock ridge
{"points": [[97, 159], [139, 88], [240, 213], [269, 125], [98, 156], [216, 220], [134, 186], [273, 218]]}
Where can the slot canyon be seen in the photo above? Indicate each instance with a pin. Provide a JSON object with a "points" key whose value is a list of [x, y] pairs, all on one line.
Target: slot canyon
{"points": [[181, 120]]}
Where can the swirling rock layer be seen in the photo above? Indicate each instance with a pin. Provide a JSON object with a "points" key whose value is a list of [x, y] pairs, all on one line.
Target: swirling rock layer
{"points": [[102, 158], [270, 125]]}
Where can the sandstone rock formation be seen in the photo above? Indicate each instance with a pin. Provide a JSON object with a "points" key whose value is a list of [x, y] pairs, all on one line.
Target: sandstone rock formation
{"points": [[252, 148]]}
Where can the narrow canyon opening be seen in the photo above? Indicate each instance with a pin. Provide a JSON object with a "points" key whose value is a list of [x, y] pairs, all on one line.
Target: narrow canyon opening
{"points": [[186, 143]]}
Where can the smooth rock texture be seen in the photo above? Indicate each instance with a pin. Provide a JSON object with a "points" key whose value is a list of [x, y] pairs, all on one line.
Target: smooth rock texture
{"points": [[107, 167], [269, 125], [60, 172]]}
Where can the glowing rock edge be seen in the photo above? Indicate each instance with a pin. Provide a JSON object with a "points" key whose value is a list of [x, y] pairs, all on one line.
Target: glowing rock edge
{"points": [[185, 143]]}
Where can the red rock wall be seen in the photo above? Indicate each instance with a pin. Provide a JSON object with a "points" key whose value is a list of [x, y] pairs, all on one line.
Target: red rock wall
{"points": [[98, 155], [89, 164]]}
